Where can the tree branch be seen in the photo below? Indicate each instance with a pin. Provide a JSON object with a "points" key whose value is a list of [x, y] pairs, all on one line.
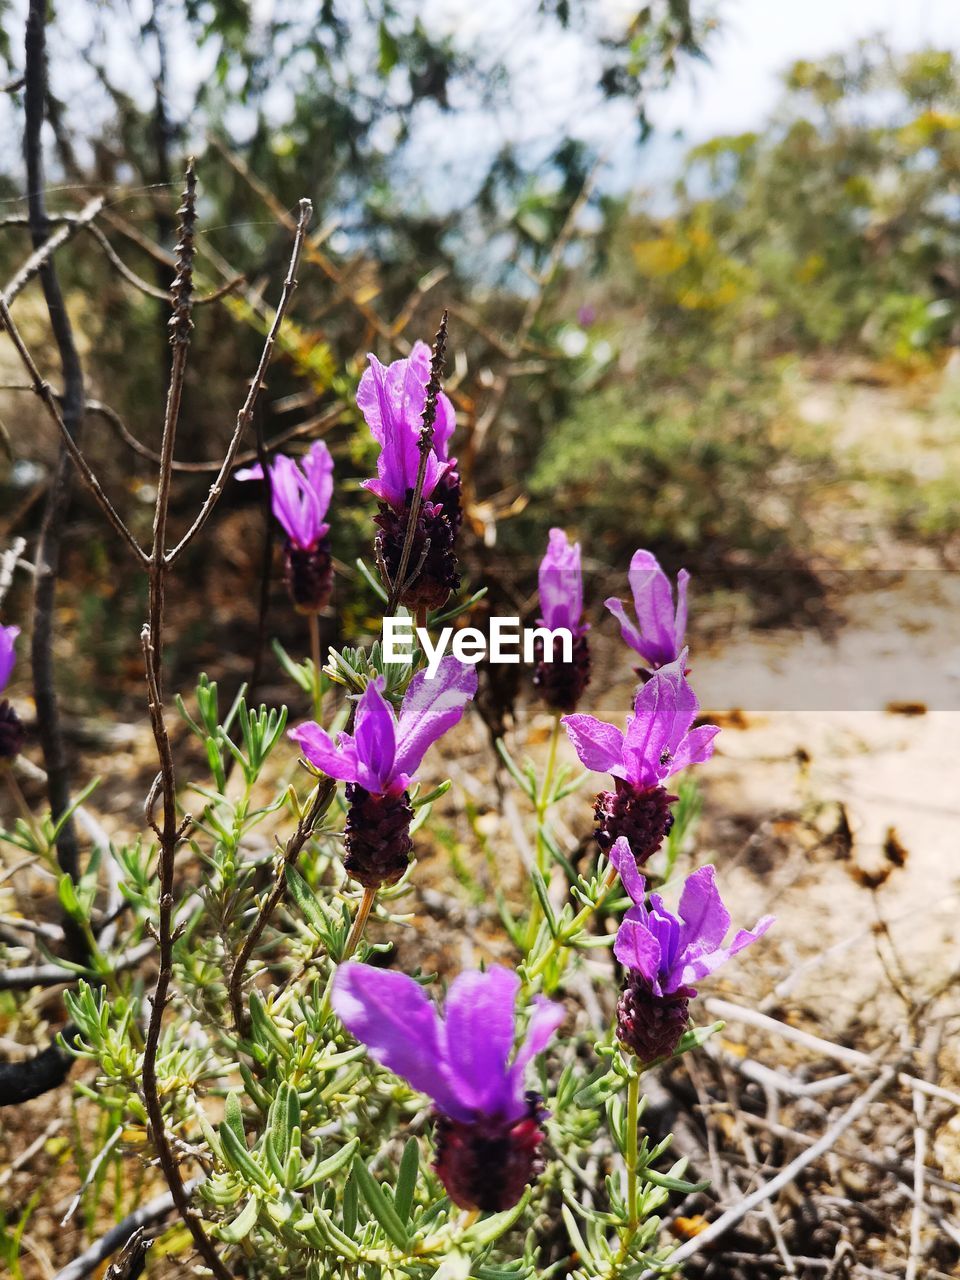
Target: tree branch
{"points": [[256, 386]]}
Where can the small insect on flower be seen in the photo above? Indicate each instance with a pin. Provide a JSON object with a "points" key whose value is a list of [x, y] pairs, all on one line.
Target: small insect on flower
{"points": [[659, 631], [561, 684], [664, 954], [392, 399], [11, 730], [488, 1129], [300, 494], [659, 741], [378, 762]]}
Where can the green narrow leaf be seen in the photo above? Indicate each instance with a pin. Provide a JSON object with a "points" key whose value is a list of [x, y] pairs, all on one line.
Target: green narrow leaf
{"points": [[240, 1159], [407, 1179], [327, 1168], [306, 900], [233, 1115], [378, 1204], [242, 1224]]}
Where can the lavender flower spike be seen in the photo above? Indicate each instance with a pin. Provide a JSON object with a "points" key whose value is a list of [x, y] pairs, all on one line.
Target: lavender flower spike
{"points": [[392, 400], [658, 743], [378, 760], [11, 730], [300, 496], [666, 953], [488, 1132], [658, 633], [561, 684]]}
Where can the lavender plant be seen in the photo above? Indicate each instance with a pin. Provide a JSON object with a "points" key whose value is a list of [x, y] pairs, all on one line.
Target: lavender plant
{"points": [[311, 1111]]}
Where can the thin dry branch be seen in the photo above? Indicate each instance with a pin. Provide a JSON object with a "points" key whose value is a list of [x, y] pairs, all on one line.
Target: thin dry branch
{"points": [[291, 853], [46, 393], [785, 1177], [245, 415], [41, 256]]}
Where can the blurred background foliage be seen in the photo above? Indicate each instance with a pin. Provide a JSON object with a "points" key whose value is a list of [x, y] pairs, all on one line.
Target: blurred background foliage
{"points": [[622, 362]]}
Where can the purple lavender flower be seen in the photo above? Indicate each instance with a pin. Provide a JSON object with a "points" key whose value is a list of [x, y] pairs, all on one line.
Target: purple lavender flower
{"points": [[11, 730], [561, 684], [391, 399], [300, 496], [658, 743], [378, 762], [658, 633], [488, 1132], [665, 954]]}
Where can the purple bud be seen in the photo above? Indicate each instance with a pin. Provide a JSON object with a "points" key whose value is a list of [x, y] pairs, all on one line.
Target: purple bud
{"points": [[561, 684], [11, 732], [431, 572], [308, 575], [643, 818], [649, 1025], [300, 493], [376, 838], [488, 1165]]}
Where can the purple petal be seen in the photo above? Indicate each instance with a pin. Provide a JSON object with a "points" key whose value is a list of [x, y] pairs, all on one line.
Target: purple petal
{"points": [[695, 748], [375, 735], [318, 469], [621, 855], [7, 653], [561, 583], [647, 733], [636, 948], [479, 1030], [430, 708], [598, 744], [629, 631], [335, 761], [705, 918], [249, 473], [393, 1017], [546, 1018], [700, 966], [680, 619]]}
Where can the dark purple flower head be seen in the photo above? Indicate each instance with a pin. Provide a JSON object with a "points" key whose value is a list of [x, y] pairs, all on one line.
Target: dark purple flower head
{"points": [[383, 753], [658, 633], [8, 656], [300, 493], [561, 585], [671, 952], [391, 399], [488, 1128], [658, 741]]}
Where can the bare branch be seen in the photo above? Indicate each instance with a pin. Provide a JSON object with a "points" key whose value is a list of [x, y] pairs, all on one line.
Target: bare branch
{"points": [[46, 394], [46, 251], [256, 386], [291, 853]]}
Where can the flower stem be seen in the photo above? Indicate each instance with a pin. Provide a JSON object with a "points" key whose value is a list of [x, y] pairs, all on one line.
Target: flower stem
{"points": [[359, 922], [542, 804], [576, 924], [25, 811], [633, 1121], [314, 622]]}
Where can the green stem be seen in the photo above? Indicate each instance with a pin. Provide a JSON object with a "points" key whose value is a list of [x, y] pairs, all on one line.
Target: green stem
{"points": [[359, 923], [633, 1122], [576, 924], [314, 621], [542, 804], [26, 813]]}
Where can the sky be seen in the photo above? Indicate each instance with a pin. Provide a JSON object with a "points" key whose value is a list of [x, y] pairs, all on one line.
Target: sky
{"points": [[760, 37]]}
